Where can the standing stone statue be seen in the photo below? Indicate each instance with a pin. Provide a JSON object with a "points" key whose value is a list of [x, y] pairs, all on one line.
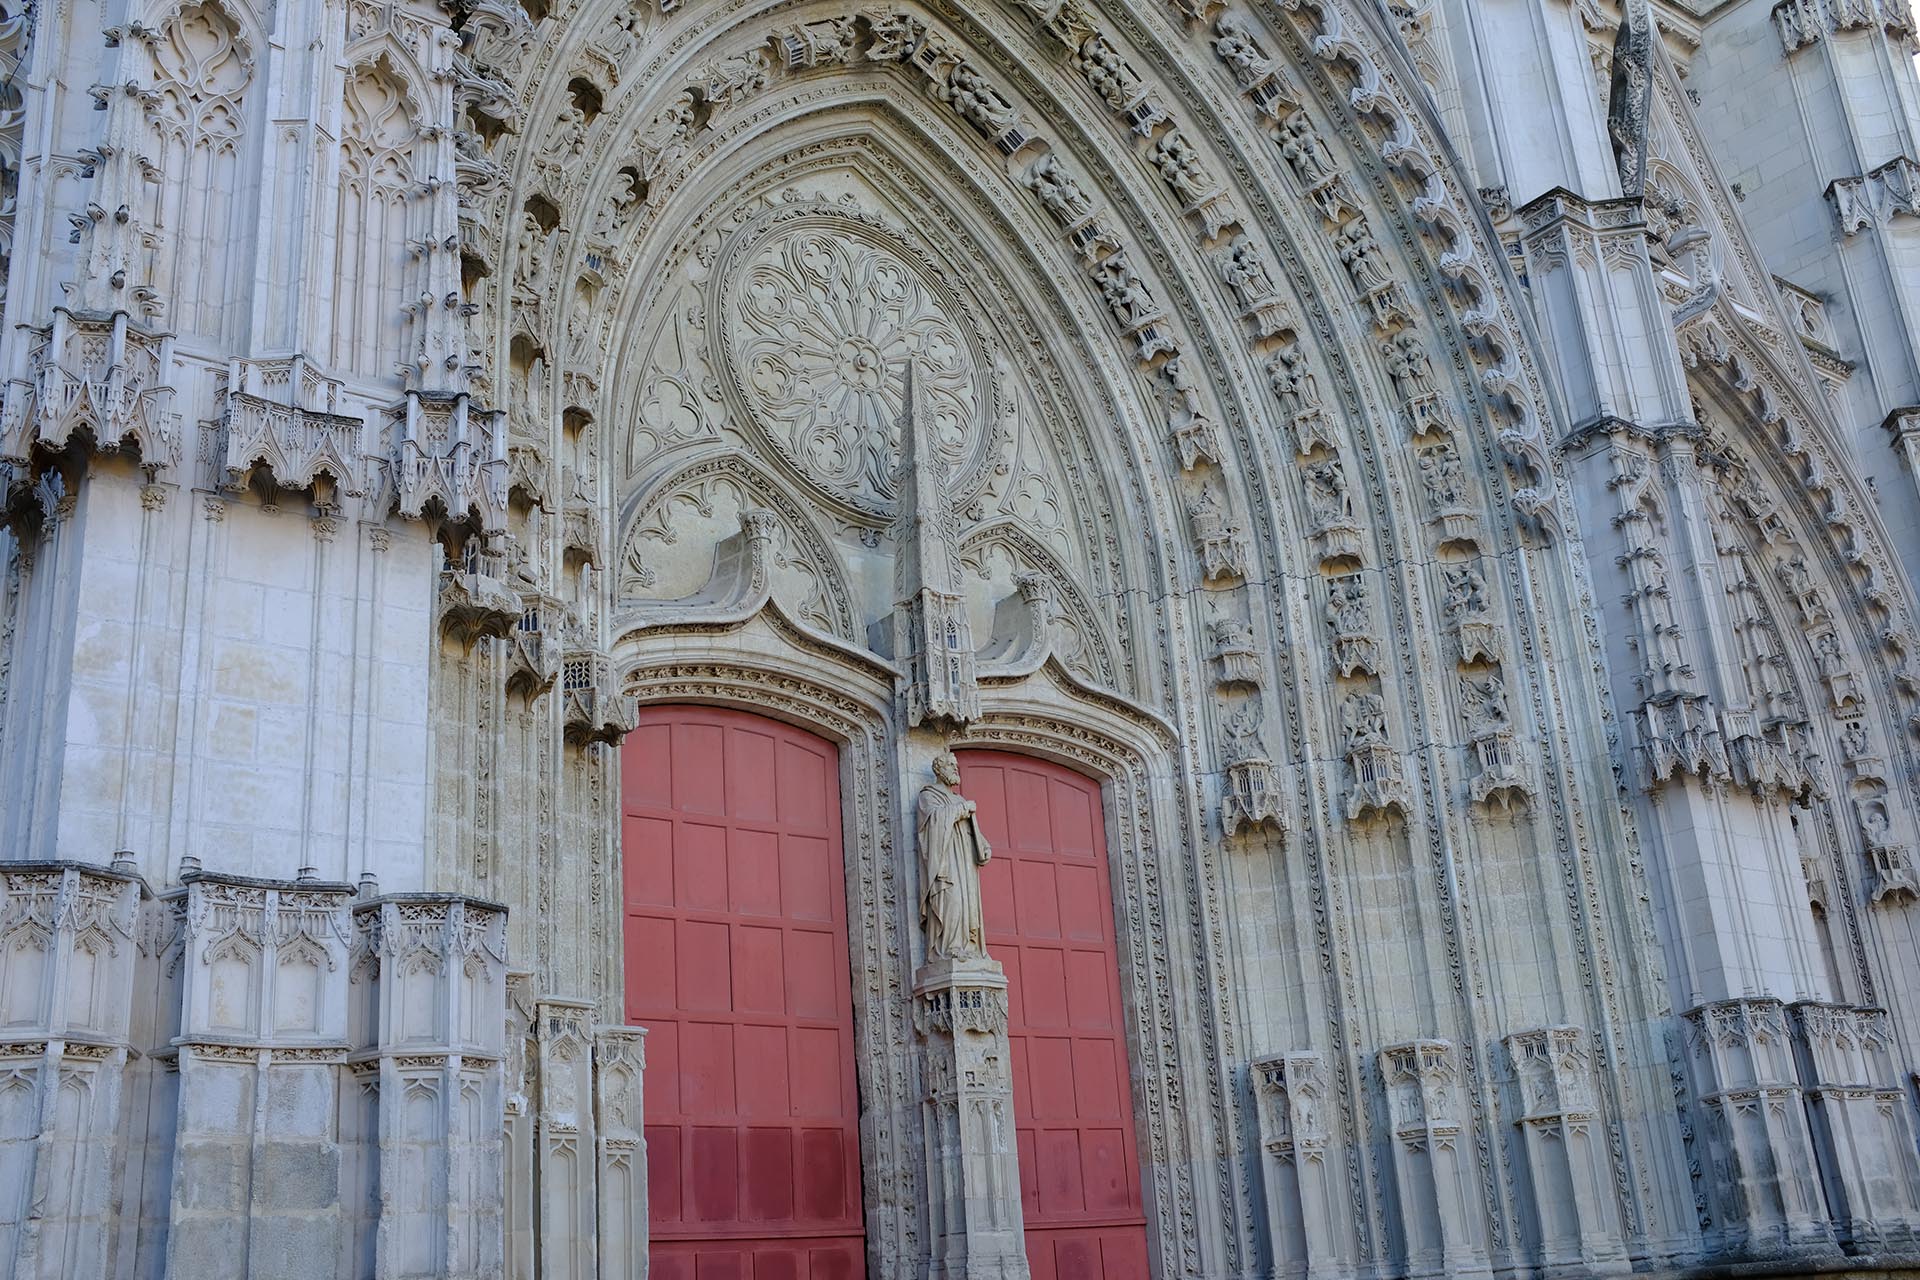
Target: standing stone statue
{"points": [[952, 851]]}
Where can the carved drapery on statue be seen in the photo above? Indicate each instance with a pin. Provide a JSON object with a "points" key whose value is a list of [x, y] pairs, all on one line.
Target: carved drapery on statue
{"points": [[952, 851]]}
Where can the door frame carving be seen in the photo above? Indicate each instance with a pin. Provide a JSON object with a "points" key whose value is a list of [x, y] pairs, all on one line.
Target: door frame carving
{"points": [[773, 666]]}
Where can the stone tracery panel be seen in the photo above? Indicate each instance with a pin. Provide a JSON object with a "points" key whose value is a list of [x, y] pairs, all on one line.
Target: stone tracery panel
{"points": [[823, 317], [203, 68], [372, 259]]}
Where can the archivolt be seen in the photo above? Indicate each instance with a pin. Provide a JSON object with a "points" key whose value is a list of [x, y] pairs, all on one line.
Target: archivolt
{"points": [[1180, 308]]}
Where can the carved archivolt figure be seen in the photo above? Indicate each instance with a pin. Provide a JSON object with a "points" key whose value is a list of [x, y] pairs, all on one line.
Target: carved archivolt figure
{"points": [[952, 851]]}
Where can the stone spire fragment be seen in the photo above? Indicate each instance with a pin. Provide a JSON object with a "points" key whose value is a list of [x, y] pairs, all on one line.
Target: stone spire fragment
{"points": [[931, 636]]}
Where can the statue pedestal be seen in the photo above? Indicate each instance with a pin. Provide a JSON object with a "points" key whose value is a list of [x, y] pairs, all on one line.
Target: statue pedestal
{"points": [[973, 1169]]}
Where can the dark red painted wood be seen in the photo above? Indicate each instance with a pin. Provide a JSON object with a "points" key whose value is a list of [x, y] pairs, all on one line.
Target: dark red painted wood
{"points": [[736, 963], [1049, 915]]}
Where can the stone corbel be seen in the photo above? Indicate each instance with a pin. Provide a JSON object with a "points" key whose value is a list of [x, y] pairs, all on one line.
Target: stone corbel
{"points": [[1235, 657], [1426, 414], [1250, 798], [1376, 784], [1336, 543], [1900, 179], [533, 648], [98, 378], [283, 417], [1499, 774], [476, 607], [1479, 639], [1022, 638], [1799, 23], [1681, 735], [1312, 430], [1852, 200], [580, 531], [450, 454], [1772, 759], [594, 709]]}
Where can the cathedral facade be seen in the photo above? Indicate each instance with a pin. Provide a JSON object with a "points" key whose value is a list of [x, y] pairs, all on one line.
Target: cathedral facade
{"points": [[1231, 639]]}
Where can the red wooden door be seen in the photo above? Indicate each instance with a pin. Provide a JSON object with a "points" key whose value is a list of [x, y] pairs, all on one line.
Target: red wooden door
{"points": [[1049, 914], [736, 963]]}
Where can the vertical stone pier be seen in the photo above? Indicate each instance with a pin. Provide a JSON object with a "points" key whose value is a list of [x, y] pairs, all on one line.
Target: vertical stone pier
{"points": [[973, 1169]]}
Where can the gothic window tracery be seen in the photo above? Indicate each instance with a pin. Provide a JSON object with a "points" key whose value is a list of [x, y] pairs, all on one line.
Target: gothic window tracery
{"points": [[371, 267], [203, 69]]}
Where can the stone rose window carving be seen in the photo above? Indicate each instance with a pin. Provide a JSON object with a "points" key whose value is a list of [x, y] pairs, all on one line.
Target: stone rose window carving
{"points": [[823, 310]]}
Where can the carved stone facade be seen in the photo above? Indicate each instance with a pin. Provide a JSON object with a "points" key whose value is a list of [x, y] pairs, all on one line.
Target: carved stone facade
{"points": [[1469, 535]]}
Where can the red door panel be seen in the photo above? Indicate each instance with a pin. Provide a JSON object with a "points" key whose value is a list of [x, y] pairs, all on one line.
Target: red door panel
{"points": [[1049, 915], [736, 962]]}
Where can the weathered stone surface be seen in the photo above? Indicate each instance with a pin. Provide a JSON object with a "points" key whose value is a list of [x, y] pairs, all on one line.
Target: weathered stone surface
{"points": [[1469, 532]]}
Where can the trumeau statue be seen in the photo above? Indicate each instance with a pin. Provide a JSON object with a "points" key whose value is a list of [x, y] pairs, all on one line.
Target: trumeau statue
{"points": [[952, 851]]}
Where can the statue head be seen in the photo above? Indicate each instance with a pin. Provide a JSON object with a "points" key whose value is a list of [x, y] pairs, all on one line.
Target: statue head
{"points": [[947, 769]]}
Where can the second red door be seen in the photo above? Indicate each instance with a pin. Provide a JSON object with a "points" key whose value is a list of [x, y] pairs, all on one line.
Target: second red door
{"points": [[1049, 915]]}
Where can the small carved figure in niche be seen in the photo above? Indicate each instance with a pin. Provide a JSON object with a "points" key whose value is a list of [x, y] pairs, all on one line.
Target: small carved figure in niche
{"points": [[1244, 271], [1485, 700], [1302, 149], [1466, 593], [1346, 611], [952, 851], [1794, 576], [1179, 166], [528, 419], [613, 214], [1443, 477], [1363, 721], [1056, 190], [1236, 48], [1240, 735], [894, 36], [568, 140], [1109, 77], [1853, 740], [580, 318], [1131, 303], [1327, 496], [1408, 363], [1291, 378], [527, 246], [1186, 393], [979, 103], [522, 574], [1832, 661], [1361, 254], [671, 127]]}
